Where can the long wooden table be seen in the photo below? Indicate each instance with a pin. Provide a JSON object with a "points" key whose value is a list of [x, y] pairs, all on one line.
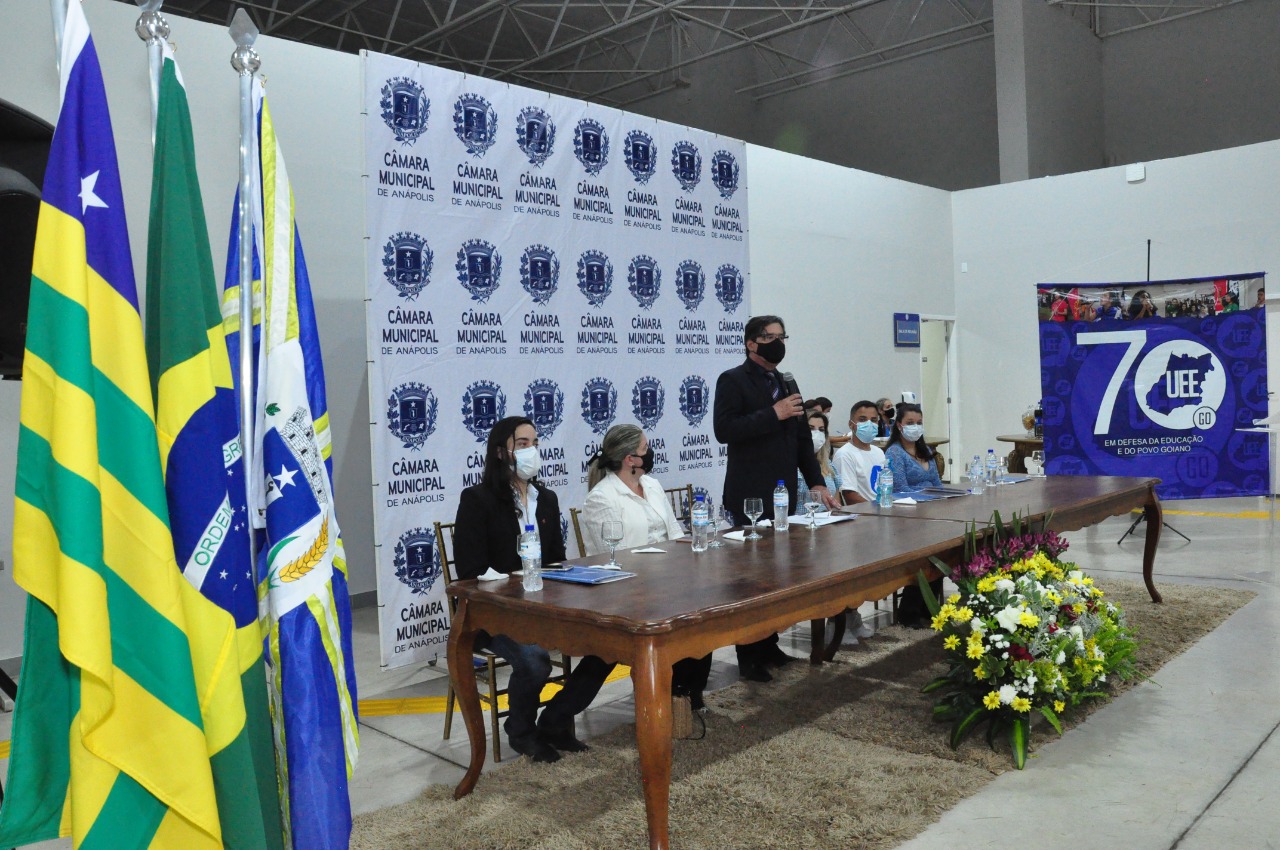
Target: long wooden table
{"points": [[684, 605], [1071, 502]]}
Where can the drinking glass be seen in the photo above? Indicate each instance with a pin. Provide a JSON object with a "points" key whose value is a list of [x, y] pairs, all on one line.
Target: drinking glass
{"points": [[811, 508], [715, 513], [1037, 460], [1002, 470], [611, 533], [752, 508]]}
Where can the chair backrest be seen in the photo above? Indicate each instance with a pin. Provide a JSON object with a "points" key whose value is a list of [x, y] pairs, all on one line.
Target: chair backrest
{"points": [[444, 530], [840, 496], [577, 531], [681, 500]]}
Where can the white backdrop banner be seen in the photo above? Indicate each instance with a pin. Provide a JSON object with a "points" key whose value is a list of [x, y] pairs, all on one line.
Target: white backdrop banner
{"points": [[533, 255]]}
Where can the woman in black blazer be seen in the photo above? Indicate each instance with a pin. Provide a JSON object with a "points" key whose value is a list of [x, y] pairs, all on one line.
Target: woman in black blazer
{"points": [[490, 519]]}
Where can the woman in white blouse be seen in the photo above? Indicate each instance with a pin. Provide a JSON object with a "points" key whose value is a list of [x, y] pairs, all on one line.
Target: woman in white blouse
{"points": [[621, 490]]}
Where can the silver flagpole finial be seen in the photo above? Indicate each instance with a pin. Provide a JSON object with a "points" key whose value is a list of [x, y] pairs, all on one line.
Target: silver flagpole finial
{"points": [[151, 24], [244, 33]]}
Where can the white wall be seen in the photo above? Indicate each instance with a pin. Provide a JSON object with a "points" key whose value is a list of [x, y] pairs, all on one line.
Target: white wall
{"points": [[1208, 214], [836, 252]]}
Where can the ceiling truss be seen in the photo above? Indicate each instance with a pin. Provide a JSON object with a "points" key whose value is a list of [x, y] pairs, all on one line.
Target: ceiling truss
{"points": [[621, 52]]}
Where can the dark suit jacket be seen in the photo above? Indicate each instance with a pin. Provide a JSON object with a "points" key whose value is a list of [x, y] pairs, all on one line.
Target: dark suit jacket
{"points": [[487, 533], [762, 449]]}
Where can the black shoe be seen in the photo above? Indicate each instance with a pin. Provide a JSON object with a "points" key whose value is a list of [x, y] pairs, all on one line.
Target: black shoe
{"points": [[696, 703], [564, 741], [775, 656], [753, 671], [535, 748]]}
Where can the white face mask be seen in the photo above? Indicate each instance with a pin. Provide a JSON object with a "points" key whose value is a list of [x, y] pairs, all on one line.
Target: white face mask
{"points": [[912, 432], [527, 462], [818, 439]]}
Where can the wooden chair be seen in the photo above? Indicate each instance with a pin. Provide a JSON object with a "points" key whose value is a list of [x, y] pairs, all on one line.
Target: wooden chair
{"points": [[681, 501], [574, 513], [487, 664]]}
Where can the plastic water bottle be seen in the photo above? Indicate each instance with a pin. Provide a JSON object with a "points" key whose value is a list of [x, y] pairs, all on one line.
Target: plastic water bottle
{"points": [[700, 519], [992, 468], [781, 506], [884, 487], [977, 476], [531, 559]]}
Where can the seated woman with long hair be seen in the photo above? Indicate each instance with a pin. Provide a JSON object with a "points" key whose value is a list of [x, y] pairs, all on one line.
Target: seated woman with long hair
{"points": [[486, 533], [621, 490]]}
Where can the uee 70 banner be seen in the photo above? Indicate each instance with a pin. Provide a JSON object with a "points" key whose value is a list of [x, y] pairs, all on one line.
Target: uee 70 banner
{"points": [[1162, 379]]}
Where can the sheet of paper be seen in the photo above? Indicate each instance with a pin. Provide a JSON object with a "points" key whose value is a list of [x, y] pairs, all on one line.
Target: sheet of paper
{"points": [[648, 550], [491, 574], [905, 500], [734, 535]]}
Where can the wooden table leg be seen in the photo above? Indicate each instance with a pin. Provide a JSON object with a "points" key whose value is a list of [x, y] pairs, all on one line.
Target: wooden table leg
{"points": [[462, 672], [1155, 522], [651, 682]]}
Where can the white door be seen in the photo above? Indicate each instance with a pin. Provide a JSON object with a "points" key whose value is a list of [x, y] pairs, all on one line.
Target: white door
{"points": [[935, 385]]}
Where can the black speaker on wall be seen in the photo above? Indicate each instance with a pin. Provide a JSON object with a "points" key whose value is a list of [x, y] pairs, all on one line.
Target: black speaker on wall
{"points": [[24, 151]]}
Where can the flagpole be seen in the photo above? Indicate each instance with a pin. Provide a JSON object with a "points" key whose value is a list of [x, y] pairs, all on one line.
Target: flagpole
{"points": [[153, 29], [59, 9], [246, 63]]}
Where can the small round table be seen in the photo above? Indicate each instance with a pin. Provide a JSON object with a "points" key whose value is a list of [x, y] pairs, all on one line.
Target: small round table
{"points": [[1023, 446]]}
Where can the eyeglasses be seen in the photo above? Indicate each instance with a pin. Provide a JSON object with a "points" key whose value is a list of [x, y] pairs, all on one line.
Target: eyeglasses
{"points": [[771, 337]]}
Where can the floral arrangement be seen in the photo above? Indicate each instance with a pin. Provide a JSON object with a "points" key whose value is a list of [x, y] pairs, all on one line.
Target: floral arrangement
{"points": [[1028, 633]]}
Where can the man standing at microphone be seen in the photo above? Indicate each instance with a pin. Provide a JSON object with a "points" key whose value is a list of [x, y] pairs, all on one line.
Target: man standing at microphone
{"points": [[759, 415]]}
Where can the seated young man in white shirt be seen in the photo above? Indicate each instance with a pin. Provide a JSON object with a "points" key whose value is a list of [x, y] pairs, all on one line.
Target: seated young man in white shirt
{"points": [[858, 462]]}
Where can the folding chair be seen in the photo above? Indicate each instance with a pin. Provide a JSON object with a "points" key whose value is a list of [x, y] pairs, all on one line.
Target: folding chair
{"points": [[487, 664]]}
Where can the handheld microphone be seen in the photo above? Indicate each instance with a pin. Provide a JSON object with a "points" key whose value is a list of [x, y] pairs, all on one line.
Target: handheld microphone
{"points": [[789, 381]]}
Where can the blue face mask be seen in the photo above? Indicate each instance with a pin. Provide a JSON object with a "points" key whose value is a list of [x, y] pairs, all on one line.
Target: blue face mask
{"points": [[867, 431], [912, 432]]}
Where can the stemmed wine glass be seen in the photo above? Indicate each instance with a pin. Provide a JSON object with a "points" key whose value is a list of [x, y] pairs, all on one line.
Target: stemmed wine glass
{"points": [[716, 514], [611, 533], [811, 508], [1037, 460], [752, 508]]}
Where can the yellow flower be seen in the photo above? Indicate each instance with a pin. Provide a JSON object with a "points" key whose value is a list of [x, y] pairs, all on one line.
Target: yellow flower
{"points": [[975, 648], [938, 622], [987, 583], [1021, 704], [953, 599], [991, 700], [979, 673], [1028, 619], [963, 615], [1059, 706], [950, 642]]}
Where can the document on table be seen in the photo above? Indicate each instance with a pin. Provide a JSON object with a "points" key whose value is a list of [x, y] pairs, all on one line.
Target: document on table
{"points": [[587, 575], [820, 519]]}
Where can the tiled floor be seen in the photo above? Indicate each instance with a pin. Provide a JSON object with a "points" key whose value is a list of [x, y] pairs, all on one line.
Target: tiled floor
{"points": [[1187, 761]]}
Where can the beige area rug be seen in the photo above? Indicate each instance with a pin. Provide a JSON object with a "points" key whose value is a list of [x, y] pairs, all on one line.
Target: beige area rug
{"points": [[844, 755]]}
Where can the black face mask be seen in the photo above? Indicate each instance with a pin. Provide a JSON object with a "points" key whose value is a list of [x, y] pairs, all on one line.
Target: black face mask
{"points": [[646, 461], [772, 351]]}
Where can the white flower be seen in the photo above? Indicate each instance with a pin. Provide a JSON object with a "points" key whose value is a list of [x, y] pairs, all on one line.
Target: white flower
{"points": [[1077, 633], [1009, 618], [978, 626], [1006, 585], [1075, 576], [1061, 659], [1007, 693], [1031, 682]]}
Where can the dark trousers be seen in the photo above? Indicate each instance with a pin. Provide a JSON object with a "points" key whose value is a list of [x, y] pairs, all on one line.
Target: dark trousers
{"points": [[689, 675], [754, 653], [530, 669]]}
